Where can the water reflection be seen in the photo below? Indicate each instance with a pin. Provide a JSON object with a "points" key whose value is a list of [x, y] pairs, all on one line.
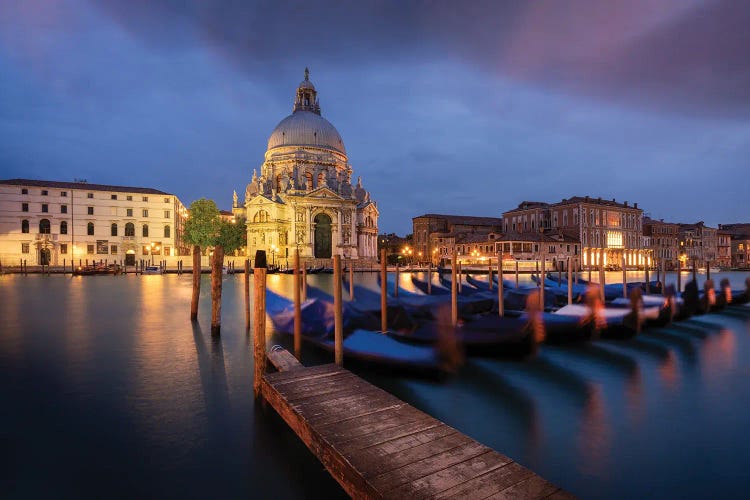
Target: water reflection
{"points": [[594, 436]]}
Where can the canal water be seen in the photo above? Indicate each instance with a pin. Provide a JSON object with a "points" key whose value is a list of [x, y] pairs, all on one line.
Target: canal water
{"points": [[109, 390]]}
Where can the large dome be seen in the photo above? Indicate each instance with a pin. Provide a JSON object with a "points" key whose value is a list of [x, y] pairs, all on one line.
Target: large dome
{"points": [[305, 128]]}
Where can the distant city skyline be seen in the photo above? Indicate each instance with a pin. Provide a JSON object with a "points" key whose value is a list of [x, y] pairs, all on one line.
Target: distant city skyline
{"points": [[442, 110]]}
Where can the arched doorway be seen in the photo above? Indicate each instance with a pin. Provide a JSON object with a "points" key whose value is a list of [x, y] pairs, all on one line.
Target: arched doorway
{"points": [[130, 257], [44, 256], [322, 236]]}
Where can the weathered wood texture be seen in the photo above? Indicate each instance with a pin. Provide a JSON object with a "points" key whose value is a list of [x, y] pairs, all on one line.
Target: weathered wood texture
{"points": [[377, 446]]}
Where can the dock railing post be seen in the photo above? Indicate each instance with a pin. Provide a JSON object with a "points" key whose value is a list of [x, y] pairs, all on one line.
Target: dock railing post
{"points": [[500, 301], [297, 309], [247, 293], [259, 317], [383, 292], [454, 291], [624, 277], [338, 318], [570, 280]]}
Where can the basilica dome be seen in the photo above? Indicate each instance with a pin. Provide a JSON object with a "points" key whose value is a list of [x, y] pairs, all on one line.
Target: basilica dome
{"points": [[306, 128]]}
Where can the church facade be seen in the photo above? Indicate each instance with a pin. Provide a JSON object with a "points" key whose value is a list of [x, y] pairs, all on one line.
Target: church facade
{"points": [[304, 198]]}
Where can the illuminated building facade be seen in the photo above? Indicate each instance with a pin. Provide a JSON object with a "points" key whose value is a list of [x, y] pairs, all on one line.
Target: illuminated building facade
{"points": [[662, 238], [304, 198], [437, 236], [50, 222], [607, 231]]}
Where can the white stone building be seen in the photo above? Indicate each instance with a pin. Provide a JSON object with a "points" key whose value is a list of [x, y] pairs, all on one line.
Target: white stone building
{"points": [[304, 198], [50, 222]]}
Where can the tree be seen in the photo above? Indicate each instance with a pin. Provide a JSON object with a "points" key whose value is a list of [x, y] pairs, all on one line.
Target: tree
{"points": [[201, 229], [229, 237]]}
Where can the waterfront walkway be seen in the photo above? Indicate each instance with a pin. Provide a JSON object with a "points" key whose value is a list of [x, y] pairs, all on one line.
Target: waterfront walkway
{"points": [[377, 446]]}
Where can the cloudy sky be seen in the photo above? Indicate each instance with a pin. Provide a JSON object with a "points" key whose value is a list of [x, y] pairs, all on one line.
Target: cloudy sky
{"points": [[449, 107]]}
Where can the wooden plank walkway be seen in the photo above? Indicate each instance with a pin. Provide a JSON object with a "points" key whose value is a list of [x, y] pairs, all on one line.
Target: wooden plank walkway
{"points": [[377, 446]]}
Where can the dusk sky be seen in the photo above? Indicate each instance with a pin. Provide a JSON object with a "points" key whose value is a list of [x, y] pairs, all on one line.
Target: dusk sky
{"points": [[447, 107]]}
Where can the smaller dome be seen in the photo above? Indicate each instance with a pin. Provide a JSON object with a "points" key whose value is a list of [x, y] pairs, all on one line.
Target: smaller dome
{"points": [[307, 84]]}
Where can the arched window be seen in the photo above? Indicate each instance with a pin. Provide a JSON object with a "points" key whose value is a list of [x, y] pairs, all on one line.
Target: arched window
{"points": [[129, 229], [90, 228], [260, 216], [320, 179], [309, 180], [145, 231], [114, 229], [25, 226], [64, 227], [44, 226], [167, 232]]}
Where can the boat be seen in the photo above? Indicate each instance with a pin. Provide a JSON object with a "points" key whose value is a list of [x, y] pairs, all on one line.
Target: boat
{"points": [[153, 270], [97, 269], [611, 322]]}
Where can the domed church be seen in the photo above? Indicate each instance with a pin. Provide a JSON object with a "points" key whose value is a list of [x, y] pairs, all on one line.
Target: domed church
{"points": [[304, 197]]}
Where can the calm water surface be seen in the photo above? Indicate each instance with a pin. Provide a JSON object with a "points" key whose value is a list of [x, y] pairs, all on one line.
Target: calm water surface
{"points": [[107, 389]]}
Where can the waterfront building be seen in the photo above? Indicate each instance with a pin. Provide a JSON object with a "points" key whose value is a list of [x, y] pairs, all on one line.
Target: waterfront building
{"points": [[51, 222], [304, 198], [437, 236], [698, 242], [723, 249], [740, 244], [555, 247], [663, 241], [606, 230]]}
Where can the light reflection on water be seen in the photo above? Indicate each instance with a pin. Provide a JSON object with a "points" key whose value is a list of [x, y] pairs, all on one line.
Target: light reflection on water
{"points": [[113, 387]]}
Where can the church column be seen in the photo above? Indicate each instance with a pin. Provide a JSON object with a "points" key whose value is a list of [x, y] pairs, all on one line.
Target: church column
{"points": [[310, 230]]}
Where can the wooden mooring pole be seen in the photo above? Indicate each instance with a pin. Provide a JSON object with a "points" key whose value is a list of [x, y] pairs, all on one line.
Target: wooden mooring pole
{"points": [[570, 280], [395, 283], [602, 276], [489, 272], [541, 284], [648, 283], [500, 301], [304, 283], [247, 293], [383, 292], [458, 277], [516, 274], [259, 317], [429, 279], [338, 315], [351, 280], [624, 277], [679, 276], [297, 309], [454, 291]]}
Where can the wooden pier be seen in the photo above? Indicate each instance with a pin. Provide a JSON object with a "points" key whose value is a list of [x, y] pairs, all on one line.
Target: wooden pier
{"points": [[377, 446], [372, 443]]}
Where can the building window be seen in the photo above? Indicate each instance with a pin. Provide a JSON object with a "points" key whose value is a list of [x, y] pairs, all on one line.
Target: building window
{"points": [[129, 198], [114, 229], [25, 227], [45, 208], [309, 181], [45, 192], [166, 200], [129, 229], [24, 191], [113, 249], [64, 227], [44, 226], [90, 229], [145, 212], [63, 248], [89, 195], [63, 209], [24, 207], [167, 214], [167, 251], [90, 210], [129, 212], [24, 248], [145, 231], [145, 198], [90, 249], [167, 232], [63, 193], [113, 197]]}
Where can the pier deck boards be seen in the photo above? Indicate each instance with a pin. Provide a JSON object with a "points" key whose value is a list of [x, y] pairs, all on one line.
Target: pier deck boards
{"points": [[377, 446]]}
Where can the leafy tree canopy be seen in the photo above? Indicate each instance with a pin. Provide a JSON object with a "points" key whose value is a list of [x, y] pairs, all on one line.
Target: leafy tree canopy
{"points": [[232, 235], [203, 224]]}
